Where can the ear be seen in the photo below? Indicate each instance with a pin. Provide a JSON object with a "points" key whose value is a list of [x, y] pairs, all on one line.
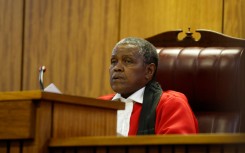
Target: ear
{"points": [[150, 70]]}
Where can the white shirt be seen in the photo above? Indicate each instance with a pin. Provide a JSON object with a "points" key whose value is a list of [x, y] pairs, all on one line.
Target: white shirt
{"points": [[123, 116]]}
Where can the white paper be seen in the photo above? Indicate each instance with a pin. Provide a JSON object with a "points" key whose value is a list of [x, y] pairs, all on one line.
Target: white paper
{"points": [[52, 88]]}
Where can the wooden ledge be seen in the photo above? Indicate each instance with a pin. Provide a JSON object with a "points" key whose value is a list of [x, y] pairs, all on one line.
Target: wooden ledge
{"points": [[77, 100], [149, 140]]}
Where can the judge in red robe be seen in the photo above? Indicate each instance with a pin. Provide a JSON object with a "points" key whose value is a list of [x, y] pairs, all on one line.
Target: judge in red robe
{"points": [[149, 110]]}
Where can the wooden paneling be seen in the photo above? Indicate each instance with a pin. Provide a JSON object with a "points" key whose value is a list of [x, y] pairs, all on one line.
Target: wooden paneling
{"points": [[27, 125], [11, 21], [168, 139], [3, 147], [84, 118], [43, 128], [16, 119], [200, 143], [144, 18], [74, 40], [234, 18]]}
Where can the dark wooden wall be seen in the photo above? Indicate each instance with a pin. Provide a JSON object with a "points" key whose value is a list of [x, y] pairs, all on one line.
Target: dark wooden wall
{"points": [[74, 39]]}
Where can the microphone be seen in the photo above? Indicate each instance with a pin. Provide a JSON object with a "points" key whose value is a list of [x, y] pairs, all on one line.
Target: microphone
{"points": [[42, 69]]}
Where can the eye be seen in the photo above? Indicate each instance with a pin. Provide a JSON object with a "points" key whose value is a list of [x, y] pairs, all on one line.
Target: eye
{"points": [[128, 61], [113, 61]]}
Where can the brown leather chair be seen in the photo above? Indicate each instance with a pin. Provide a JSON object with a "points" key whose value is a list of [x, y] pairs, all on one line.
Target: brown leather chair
{"points": [[210, 72]]}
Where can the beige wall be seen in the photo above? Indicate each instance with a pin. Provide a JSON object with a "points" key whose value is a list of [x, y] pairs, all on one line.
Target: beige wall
{"points": [[11, 32], [144, 18], [74, 39], [234, 18]]}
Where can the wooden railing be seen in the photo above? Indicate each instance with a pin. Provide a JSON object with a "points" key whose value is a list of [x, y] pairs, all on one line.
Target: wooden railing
{"points": [[200, 143], [40, 122]]}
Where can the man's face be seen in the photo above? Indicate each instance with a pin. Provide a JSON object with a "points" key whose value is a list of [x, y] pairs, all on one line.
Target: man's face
{"points": [[127, 71]]}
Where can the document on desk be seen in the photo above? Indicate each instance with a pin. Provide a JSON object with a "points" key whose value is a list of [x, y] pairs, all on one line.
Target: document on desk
{"points": [[52, 88]]}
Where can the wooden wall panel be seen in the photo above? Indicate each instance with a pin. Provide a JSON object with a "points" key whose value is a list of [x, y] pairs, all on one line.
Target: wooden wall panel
{"points": [[144, 18], [74, 40], [234, 18], [11, 21]]}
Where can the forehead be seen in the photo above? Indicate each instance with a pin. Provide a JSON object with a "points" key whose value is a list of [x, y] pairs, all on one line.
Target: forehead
{"points": [[126, 49]]}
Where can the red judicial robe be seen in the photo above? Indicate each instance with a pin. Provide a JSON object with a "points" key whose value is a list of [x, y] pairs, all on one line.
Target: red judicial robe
{"points": [[173, 115]]}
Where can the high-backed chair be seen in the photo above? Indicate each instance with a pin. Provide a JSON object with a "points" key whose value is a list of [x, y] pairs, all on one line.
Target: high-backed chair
{"points": [[210, 72]]}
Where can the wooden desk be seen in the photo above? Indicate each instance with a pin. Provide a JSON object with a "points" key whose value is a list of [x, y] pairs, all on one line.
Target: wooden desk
{"points": [[200, 143], [28, 119]]}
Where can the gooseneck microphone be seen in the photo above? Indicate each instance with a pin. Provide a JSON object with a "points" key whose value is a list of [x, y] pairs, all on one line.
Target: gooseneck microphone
{"points": [[42, 69]]}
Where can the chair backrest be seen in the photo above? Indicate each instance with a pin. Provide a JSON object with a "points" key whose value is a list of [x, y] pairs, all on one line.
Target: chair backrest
{"points": [[210, 72]]}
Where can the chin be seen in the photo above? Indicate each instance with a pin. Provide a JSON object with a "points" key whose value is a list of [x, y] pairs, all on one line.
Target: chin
{"points": [[124, 92], [118, 89]]}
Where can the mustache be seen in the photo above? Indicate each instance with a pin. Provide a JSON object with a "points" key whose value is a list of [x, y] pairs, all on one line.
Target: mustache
{"points": [[117, 76]]}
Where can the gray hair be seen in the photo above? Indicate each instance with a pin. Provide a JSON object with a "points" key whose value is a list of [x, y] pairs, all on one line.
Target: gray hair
{"points": [[148, 51]]}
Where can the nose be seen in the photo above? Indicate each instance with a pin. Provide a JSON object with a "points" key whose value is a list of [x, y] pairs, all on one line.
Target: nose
{"points": [[118, 67]]}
